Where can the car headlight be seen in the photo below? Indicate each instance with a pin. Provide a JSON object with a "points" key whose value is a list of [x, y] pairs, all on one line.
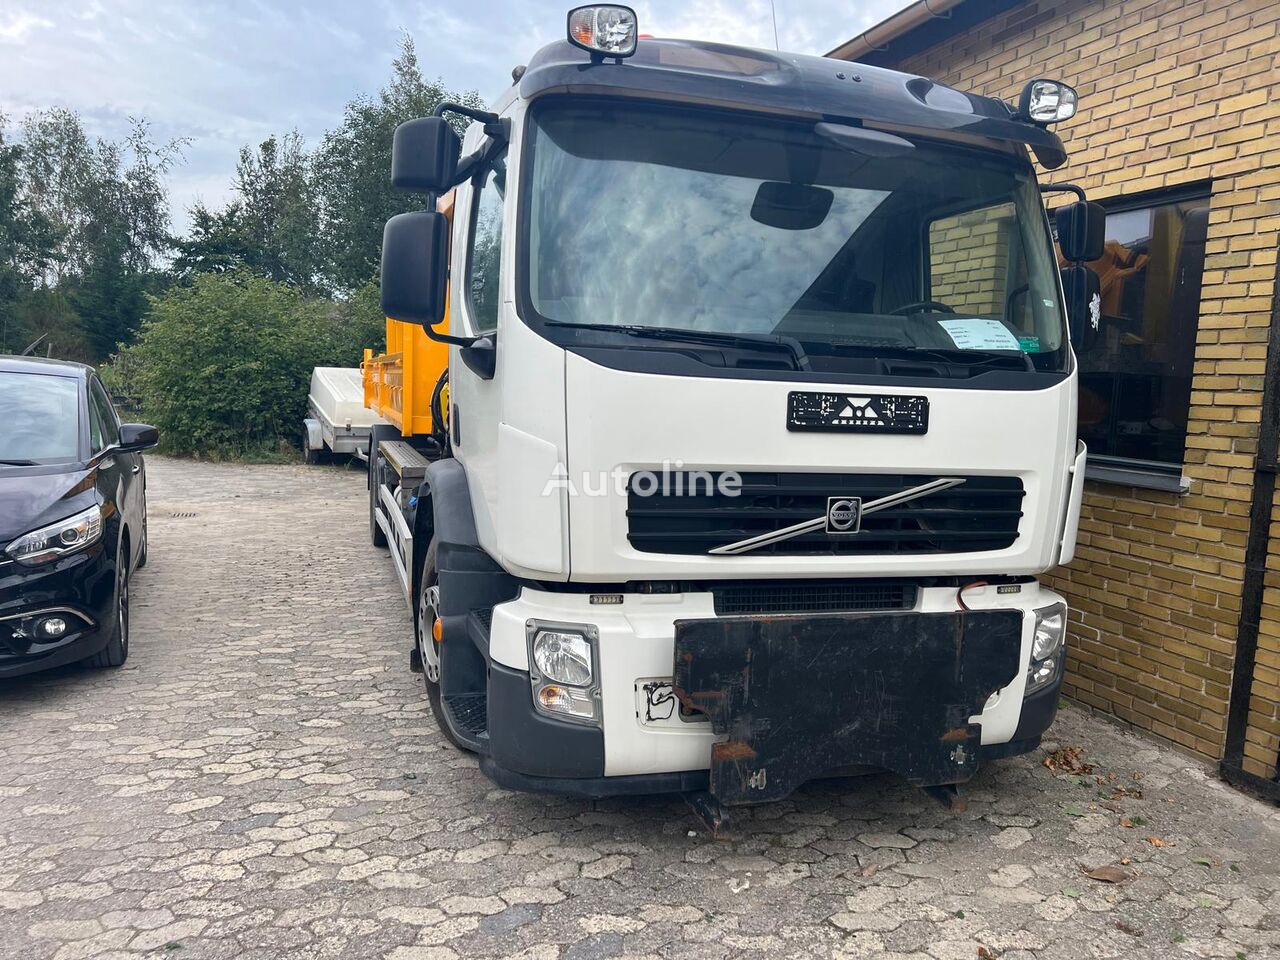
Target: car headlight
{"points": [[562, 669], [58, 539], [1047, 653]]}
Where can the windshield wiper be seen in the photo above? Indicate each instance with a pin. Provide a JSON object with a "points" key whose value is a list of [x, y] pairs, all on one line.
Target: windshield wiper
{"points": [[19, 463], [970, 358], [751, 341]]}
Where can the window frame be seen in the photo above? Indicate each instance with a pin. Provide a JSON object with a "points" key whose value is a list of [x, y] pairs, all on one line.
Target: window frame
{"points": [[489, 157], [1132, 471]]}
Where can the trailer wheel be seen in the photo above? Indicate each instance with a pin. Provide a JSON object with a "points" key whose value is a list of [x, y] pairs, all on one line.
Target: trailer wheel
{"points": [[428, 652]]}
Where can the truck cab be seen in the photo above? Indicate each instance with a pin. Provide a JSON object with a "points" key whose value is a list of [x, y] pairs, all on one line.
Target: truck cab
{"points": [[761, 419]]}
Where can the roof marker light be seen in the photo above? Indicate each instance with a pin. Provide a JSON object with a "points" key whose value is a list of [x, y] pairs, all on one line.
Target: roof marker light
{"points": [[1047, 101], [606, 30]]}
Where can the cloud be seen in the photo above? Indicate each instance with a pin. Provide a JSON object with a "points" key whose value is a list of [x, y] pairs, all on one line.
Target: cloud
{"points": [[237, 71], [17, 25]]}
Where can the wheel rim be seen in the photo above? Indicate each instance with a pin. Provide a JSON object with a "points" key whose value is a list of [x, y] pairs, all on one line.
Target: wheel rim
{"points": [[428, 610]]}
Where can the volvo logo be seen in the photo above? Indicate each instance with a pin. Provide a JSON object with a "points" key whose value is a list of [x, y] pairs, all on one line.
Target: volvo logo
{"points": [[844, 514]]}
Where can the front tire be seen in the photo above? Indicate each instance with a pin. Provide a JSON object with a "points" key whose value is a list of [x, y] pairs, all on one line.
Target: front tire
{"points": [[428, 649], [116, 652]]}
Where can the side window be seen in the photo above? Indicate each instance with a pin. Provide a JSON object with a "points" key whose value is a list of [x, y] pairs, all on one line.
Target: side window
{"points": [[484, 253], [976, 265], [104, 429]]}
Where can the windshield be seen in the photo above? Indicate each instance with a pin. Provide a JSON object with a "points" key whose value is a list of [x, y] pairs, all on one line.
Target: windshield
{"points": [[847, 242], [39, 418]]}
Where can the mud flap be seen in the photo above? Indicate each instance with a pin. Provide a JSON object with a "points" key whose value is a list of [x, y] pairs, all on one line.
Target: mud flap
{"points": [[801, 697]]}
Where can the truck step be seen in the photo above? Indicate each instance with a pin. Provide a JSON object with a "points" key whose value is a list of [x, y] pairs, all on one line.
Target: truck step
{"points": [[409, 463], [469, 717]]}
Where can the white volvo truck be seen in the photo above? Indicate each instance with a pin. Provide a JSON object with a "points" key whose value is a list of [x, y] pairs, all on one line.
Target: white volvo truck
{"points": [[761, 419]]}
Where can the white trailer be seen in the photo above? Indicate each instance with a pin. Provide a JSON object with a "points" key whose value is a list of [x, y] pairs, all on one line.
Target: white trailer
{"points": [[337, 420]]}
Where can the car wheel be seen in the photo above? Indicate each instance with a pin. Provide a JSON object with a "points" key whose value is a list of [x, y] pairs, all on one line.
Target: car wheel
{"points": [[116, 652], [428, 649]]}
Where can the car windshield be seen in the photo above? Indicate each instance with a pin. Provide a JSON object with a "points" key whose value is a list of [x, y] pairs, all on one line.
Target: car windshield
{"points": [[843, 240], [39, 418]]}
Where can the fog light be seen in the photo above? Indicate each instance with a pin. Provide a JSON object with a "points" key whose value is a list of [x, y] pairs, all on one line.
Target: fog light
{"points": [[52, 627]]}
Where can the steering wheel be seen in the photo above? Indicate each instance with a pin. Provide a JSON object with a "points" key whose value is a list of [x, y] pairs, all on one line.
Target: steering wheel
{"points": [[921, 306]]}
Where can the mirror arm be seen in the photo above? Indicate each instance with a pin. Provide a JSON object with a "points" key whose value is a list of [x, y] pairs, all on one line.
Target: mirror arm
{"points": [[494, 126], [430, 331], [1064, 188]]}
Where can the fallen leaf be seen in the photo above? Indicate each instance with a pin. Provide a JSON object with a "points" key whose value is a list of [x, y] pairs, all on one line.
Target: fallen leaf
{"points": [[869, 870], [1109, 874], [1071, 892], [1155, 841], [1127, 823], [1203, 862], [987, 953], [1073, 811], [1125, 861], [1068, 760], [1127, 928]]}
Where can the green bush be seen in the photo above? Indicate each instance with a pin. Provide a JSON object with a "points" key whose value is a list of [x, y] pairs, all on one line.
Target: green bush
{"points": [[222, 366]]}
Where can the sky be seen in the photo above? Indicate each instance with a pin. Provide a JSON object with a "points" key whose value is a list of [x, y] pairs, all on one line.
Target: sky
{"points": [[225, 73]]}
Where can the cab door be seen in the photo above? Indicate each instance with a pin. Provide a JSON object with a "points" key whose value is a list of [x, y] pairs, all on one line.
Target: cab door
{"points": [[476, 300]]}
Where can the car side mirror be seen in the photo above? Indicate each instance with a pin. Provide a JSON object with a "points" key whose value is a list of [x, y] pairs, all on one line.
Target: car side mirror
{"points": [[424, 155], [415, 267], [1081, 230], [136, 437], [1084, 303]]}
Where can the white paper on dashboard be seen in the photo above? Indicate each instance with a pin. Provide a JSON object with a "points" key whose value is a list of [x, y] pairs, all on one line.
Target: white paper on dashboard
{"points": [[973, 333]]}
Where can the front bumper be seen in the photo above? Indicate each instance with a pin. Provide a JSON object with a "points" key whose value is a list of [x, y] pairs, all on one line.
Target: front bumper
{"points": [[634, 751], [78, 588]]}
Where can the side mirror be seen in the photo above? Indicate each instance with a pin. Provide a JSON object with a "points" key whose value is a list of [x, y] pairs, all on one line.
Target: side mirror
{"points": [[415, 267], [1081, 230], [136, 437], [424, 155], [1084, 303]]}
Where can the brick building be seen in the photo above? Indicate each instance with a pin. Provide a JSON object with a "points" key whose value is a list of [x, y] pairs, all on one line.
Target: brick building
{"points": [[1176, 583]]}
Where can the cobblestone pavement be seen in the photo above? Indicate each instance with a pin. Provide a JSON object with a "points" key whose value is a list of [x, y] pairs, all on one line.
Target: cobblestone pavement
{"points": [[263, 779]]}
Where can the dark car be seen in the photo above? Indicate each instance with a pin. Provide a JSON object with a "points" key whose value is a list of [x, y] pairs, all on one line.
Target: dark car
{"points": [[73, 517]]}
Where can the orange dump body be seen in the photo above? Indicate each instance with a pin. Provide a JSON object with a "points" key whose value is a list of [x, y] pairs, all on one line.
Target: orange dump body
{"points": [[398, 384]]}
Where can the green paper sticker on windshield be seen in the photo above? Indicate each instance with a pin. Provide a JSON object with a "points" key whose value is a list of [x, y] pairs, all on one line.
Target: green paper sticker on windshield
{"points": [[1029, 344]]}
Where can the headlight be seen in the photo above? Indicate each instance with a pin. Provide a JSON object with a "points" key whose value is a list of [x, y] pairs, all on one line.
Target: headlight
{"points": [[65, 536], [563, 657], [1047, 653], [1050, 624], [562, 670]]}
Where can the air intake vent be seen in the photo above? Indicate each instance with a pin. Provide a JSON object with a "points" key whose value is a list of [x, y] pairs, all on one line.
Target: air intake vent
{"points": [[980, 514], [812, 596]]}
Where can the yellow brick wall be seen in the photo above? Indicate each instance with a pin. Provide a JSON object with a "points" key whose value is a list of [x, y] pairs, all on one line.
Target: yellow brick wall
{"points": [[1171, 93]]}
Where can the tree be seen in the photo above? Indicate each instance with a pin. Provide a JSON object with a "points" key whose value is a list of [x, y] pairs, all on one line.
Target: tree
{"points": [[26, 243], [270, 228], [353, 168], [101, 210]]}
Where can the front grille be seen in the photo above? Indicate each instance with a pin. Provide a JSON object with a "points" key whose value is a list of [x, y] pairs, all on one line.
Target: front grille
{"points": [[688, 514], [812, 596]]}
